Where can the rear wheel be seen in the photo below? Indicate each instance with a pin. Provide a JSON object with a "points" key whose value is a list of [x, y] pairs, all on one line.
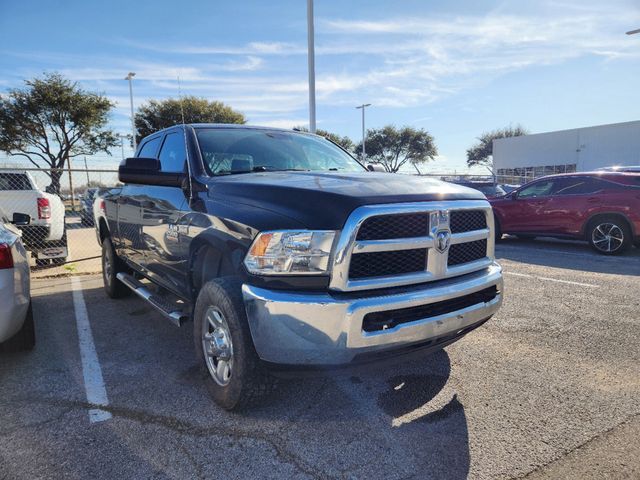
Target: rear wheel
{"points": [[25, 339], [609, 235], [111, 266], [235, 377]]}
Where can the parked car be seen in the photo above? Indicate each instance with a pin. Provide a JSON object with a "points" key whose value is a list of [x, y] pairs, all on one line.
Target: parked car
{"points": [[86, 212], [288, 254], [489, 189], [602, 208], [17, 330], [46, 235]]}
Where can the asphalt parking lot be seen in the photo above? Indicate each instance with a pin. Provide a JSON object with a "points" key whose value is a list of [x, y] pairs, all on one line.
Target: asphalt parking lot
{"points": [[549, 388]]}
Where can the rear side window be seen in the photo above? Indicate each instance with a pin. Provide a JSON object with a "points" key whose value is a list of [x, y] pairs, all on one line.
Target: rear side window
{"points": [[150, 148], [579, 186], [173, 153], [14, 181]]}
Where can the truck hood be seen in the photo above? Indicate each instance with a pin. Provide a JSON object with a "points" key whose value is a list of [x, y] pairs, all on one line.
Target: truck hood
{"points": [[324, 200]]}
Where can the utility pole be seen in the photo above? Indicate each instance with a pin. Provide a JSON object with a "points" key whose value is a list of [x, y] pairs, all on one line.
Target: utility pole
{"points": [[312, 67], [129, 77], [362, 107], [122, 137], [86, 170], [73, 199]]}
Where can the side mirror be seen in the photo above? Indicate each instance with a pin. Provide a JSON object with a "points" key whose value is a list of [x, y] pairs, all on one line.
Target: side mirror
{"points": [[21, 219], [146, 171], [375, 167]]}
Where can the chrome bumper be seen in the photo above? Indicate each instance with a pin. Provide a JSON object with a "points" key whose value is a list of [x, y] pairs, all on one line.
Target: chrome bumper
{"points": [[320, 329]]}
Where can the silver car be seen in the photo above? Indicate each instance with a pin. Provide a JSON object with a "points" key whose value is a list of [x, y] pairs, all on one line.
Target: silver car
{"points": [[17, 330]]}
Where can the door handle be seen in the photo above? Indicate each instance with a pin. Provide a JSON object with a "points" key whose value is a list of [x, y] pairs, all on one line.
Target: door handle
{"points": [[593, 199], [147, 204]]}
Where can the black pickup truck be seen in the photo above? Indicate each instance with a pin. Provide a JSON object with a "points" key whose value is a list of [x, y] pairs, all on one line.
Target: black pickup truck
{"points": [[289, 255]]}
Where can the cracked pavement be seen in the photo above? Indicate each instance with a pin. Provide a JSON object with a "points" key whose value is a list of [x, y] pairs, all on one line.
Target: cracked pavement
{"points": [[549, 388]]}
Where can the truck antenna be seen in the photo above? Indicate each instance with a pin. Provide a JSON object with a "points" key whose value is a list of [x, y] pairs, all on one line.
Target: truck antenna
{"points": [[184, 132]]}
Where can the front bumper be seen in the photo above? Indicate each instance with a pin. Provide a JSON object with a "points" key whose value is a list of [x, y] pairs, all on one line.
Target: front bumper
{"points": [[307, 329]]}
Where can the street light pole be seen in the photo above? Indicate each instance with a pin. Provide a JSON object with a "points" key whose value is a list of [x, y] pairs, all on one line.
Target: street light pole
{"points": [[312, 67], [129, 77], [362, 107]]}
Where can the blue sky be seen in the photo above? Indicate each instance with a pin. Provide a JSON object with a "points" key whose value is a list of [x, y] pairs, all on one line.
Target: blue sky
{"points": [[455, 68]]}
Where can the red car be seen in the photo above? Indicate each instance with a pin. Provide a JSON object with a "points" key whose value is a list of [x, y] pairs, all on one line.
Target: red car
{"points": [[602, 208]]}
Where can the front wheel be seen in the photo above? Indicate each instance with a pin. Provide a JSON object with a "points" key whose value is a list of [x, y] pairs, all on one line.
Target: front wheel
{"points": [[235, 377], [609, 235]]}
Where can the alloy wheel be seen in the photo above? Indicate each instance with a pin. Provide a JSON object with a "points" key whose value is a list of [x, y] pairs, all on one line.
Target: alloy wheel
{"points": [[217, 346], [607, 237]]}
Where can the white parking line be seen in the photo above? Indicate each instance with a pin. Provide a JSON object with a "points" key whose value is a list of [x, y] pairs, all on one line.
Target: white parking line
{"points": [[550, 279], [91, 371]]}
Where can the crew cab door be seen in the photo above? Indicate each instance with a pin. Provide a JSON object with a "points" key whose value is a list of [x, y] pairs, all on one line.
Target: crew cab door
{"points": [[130, 208], [162, 228], [526, 211]]}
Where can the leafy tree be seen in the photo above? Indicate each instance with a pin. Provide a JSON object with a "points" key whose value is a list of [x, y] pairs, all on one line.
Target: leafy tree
{"points": [[158, 114], [482, 152], [51, 120], [345, 142], [394, 147]]}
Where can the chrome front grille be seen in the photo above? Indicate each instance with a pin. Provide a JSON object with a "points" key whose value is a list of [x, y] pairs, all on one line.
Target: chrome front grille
{"points": [[402, 244]]}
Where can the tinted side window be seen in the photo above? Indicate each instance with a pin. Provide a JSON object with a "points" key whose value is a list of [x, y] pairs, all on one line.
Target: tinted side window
{"points": [[538, 189], [173, 153], [578, 186], [150, 148]]}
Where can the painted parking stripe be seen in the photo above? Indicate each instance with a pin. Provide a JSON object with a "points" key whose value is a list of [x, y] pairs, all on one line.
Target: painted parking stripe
{"points": [[557, 280], [91, 371]]}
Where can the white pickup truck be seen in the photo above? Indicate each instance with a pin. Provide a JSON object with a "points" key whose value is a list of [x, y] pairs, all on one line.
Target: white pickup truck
{"points": [[46, 235]]}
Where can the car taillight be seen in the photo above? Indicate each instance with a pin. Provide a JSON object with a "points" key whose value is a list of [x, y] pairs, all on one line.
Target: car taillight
{"points": [[103, 209], [44, 209], [6, 259]]}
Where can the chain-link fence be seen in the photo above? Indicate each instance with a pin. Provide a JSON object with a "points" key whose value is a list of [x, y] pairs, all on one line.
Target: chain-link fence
{"points": [[55, 211]]}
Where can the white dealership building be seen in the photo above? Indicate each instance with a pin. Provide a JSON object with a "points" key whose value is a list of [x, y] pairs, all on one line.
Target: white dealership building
{"points": [[576, 150]]}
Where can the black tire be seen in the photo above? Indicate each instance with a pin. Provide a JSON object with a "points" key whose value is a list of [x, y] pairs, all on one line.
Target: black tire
{"points": [[25, 339], [497, 229], [617, 229], [248, 381], [111, 266]]}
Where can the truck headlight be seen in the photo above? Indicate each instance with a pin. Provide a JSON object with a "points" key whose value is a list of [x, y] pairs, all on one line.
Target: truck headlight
{"points": [[290, 252]]}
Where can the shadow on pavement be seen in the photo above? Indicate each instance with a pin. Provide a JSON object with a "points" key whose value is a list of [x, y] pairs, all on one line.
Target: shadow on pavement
{"points": [[570, 255]]}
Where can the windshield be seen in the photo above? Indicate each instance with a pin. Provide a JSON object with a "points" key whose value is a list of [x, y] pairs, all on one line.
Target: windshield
{"points": [[226, 151]]}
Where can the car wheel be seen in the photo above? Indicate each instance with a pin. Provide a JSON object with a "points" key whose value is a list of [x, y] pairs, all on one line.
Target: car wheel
{"points": [[25, 339], [235, 377], [609, 235], [111, 266]]}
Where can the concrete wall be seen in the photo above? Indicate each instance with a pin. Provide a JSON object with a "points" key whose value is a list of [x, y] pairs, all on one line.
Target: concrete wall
{"points": [[589, 148]]}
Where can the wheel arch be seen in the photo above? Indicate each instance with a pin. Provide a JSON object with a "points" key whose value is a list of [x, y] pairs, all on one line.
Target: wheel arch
{"points": [[103, 230], [596, 216], [211, 256]]}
